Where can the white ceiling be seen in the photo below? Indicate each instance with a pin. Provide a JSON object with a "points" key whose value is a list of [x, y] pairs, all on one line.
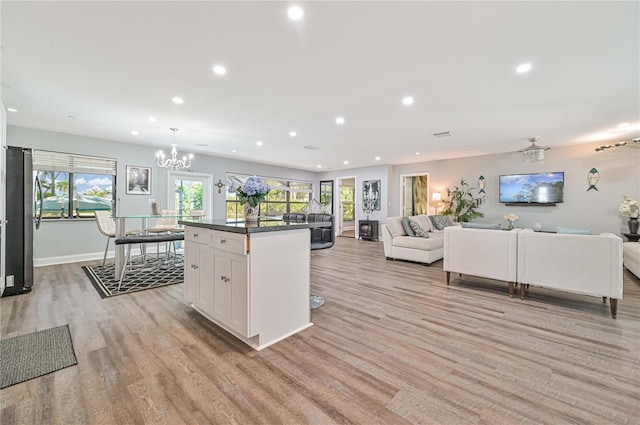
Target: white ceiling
{"points": [[114, 64]]}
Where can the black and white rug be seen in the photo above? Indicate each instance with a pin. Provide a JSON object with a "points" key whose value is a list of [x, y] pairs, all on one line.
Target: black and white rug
{"points": [[141, 275], [35, 354]]}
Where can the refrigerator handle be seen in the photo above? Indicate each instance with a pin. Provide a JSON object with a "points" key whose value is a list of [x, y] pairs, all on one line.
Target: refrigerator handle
{"points": [[40, 196]]}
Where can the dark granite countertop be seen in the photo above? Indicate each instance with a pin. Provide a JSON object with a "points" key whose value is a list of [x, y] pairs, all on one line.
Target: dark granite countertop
{"points": [[263, 225]]}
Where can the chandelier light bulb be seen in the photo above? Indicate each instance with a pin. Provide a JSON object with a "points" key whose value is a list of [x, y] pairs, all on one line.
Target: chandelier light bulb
{"points": [[173, 163]]}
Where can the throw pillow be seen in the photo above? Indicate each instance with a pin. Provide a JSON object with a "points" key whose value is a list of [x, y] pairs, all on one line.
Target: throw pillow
{"points": [[418, 230], [440, 222], [481, 226], [572, 231], [407, 226]]}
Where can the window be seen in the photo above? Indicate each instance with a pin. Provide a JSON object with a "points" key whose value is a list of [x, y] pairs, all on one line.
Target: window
{"points": [[348, 194], [90, 181], [285, 196]]}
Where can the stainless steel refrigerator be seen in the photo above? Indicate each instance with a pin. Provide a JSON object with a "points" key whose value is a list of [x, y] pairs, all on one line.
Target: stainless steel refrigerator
{"points": [[20, 203]]}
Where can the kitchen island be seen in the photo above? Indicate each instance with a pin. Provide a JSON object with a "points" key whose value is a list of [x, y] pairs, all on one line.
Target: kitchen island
{"points": [[251, 279]]}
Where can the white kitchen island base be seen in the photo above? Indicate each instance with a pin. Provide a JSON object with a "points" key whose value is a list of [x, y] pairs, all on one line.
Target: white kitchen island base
{"points": [[254, 285]]}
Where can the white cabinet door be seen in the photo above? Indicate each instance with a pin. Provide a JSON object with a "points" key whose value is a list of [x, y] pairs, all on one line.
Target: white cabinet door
{"points": [[231, 293], [191, 278], [221, 279], [238, 307], [206, 296]]}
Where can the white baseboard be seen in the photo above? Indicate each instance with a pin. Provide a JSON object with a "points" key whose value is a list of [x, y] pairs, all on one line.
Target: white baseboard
{"points": [[90, 256]]}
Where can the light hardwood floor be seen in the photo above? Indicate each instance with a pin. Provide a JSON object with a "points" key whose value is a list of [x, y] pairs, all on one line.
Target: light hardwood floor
{"points": [[392, 345]]}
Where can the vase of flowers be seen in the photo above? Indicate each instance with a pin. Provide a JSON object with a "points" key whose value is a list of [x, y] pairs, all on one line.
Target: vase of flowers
{"points": [[629, 208], [250, 194], [510, 218]]}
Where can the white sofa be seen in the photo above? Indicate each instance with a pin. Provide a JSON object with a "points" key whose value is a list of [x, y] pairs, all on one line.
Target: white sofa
{"points": [[400, 246], [583, 264], [631, 257], [484, 253]]}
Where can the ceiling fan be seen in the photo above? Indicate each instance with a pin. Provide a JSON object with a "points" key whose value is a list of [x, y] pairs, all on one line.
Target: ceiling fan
{"points": [[534, 153]]}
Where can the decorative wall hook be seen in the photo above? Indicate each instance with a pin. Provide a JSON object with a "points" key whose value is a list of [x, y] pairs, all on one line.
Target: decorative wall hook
{"points": [[220, 185]]}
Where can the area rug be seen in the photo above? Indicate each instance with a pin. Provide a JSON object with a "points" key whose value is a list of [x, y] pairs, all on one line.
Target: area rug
{"points": [[36, 354], [141, 275]]}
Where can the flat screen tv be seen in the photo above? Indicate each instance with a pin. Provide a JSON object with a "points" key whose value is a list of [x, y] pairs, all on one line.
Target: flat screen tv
{"points": [[532, 189]]}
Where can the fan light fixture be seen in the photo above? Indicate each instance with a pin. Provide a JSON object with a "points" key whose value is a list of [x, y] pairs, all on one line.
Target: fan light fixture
{"points": [[534, 153], [173, 163]]}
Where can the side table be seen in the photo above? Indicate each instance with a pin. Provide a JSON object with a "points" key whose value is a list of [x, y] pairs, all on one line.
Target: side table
{"points": [[632, 237]]}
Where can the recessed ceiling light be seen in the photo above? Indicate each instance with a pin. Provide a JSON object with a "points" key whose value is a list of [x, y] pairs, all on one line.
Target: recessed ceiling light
{"points": [[293, 134], [522, 68], [407, 101], [259, 143], [340, 120], [233, 151], [623, 124], [12, 110], [417, 153], [346, 162], [377, 158], [319, 166], [177, 100], [219, 70], [152, 119], [295, 13], [134, 132]]}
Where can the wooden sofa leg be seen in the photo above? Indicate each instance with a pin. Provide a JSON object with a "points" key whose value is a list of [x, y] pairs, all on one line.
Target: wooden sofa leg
{"points": [[614, 307], [523, 290], [510, 289], [604, 299], [448, 276]]}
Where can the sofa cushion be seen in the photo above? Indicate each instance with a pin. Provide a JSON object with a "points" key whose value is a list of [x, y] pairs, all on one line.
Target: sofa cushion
{"points": [[439, 222], [572, 231], [407, 226], [394, 224], [481, 226], [417, 229], [435, 241], [423, 221]]}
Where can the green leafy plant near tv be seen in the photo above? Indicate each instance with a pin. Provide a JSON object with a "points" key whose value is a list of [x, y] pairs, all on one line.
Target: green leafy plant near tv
{"points": [[463, 204]]}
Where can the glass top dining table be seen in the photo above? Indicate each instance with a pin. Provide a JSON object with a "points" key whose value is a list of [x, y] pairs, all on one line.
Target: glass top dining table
{"points": [[121, 231]]}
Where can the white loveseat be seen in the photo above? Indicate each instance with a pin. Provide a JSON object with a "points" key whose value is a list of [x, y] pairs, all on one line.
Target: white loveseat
{"points": [[400, 246], [584, 264], [480, 252], [631, 257]]}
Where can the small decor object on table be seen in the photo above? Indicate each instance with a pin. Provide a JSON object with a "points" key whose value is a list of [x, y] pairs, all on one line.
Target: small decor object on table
{"points": [[511, 218], [629, 208], [250, 194]]}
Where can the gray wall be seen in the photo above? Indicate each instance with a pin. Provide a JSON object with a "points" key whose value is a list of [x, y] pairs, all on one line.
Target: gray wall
{"points": [[71, 240], [619, 175]]}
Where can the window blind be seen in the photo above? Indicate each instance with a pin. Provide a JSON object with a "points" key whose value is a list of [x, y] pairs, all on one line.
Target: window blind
{"points": [[73, 163]]}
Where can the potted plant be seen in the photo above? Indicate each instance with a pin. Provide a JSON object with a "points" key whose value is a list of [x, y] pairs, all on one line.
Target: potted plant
{"points": [[462, 204], [629, 208]]}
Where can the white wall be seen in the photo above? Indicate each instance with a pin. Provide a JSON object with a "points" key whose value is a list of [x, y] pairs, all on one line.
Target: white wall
{"points": [[619, 175], [380, 172], [60, 241]]}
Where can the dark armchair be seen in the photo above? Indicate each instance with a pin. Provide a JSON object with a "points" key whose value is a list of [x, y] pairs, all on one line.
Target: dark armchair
{"points": [[322, 237]]}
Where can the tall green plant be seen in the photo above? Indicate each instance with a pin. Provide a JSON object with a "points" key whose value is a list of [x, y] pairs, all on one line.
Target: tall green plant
{"points": [[462, 203]]}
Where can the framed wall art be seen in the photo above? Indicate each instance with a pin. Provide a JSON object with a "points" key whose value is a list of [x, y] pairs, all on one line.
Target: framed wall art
{"points": [[371, 195], [138, 180]]}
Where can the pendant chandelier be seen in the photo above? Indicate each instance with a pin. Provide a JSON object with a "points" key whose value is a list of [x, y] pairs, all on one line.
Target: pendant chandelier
{"points": [[534, 153], [173, 163]]}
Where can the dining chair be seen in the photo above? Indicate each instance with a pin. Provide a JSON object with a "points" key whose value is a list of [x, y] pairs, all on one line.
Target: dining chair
{"points": [[167, 223], [107, 226]]}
